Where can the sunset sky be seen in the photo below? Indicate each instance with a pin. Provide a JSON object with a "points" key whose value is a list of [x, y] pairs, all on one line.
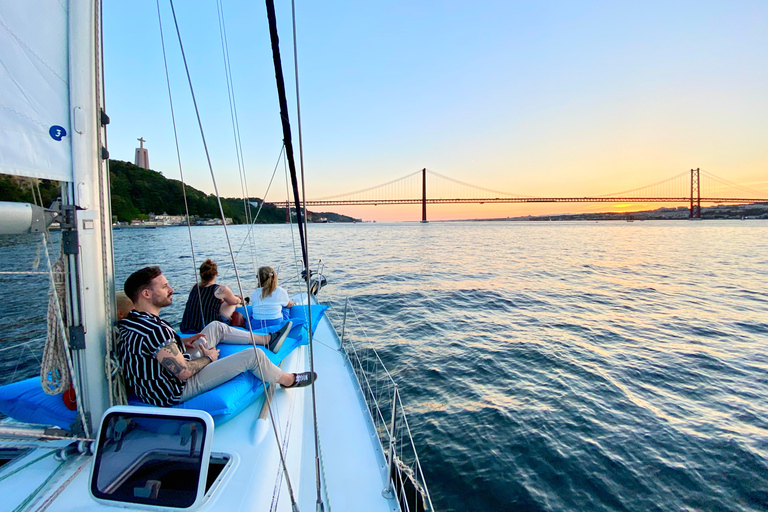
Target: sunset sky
{"points": [[532, 98]]}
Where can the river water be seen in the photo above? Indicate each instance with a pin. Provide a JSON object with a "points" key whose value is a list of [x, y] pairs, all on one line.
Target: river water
{"points": [[553, 366]]}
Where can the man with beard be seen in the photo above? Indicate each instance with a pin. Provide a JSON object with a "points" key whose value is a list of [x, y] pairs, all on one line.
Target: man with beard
{"points": [[156, 364]]}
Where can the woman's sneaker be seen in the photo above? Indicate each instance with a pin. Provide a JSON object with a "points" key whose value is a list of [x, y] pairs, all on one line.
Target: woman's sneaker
{"points": [[303, 379], [278, 337]]}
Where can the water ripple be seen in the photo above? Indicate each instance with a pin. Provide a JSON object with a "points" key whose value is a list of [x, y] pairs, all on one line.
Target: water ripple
{"points": [[544, 366]]}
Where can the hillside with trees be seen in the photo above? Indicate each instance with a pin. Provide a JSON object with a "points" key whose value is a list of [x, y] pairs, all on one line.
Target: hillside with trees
{"points": [[137, 192]]}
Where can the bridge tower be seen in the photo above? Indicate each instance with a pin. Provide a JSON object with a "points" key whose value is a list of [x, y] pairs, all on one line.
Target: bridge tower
{"points": [[424, 196], [695, 212]]}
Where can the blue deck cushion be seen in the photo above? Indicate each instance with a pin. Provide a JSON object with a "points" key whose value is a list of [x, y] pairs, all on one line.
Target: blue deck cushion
{"points": [[227, 400], [25, 400], [223, 402], [297, 314]]}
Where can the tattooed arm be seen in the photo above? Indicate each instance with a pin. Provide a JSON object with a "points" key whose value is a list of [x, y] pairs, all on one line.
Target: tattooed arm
{"points": [[173, 360], [225, 294]]}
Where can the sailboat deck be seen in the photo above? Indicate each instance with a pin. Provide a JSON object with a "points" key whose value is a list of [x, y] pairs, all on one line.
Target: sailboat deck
{"points": [[352, 462], [354, 465]]}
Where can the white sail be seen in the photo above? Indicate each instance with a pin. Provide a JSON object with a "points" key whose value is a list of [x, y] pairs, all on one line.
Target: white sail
{"points": [[35, 128]]}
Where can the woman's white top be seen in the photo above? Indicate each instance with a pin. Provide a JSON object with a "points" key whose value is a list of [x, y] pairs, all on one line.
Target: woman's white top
{"points": [[269, 308]]}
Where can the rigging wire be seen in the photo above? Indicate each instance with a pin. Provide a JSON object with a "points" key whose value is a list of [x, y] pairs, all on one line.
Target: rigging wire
{"points": [[235, 123], [229, 245], [290, 220], [178, 157], [261, 205], [308, 275], [255, 218]]}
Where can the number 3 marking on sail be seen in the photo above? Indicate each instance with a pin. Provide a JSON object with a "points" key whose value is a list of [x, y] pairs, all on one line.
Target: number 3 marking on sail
{"points": [[57, 132]]}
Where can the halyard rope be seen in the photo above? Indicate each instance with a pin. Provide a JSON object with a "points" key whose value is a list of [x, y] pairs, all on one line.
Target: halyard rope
{"points": [[61, 488], [27, 464], [36, 492]]}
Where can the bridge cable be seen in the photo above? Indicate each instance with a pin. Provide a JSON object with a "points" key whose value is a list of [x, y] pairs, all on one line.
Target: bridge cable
{"points": [[433, 173], [369, 188], [234, 262], [662, 182], [723, 181]]}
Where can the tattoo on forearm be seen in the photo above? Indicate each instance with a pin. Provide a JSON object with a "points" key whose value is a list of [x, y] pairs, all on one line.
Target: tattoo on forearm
{"points": [[173, 366], [198, 364]]}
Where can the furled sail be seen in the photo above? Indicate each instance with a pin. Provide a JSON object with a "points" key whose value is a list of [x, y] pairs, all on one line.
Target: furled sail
{"points": [[35, 138]]}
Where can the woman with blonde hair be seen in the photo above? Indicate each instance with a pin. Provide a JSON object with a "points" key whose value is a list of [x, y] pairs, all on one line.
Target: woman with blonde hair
{"points": [[208, 301], [270, 299]]}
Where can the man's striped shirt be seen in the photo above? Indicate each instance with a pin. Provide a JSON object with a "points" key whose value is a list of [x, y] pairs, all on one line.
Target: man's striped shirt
{"points": [[143, 334]]}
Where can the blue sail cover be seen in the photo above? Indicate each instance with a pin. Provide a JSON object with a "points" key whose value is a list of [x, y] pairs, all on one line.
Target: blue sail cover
{"points": [[35, 133]]}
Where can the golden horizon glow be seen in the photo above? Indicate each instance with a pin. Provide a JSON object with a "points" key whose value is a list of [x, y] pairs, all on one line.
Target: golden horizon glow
{"points": [[574, 101]]}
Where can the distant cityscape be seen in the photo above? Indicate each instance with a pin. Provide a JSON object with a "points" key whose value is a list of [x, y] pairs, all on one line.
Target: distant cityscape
{"points": [[163, 220], [738, 211], [173, 220]]}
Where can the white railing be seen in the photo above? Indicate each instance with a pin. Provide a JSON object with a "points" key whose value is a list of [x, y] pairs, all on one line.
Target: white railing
{"points": [[382, 397]]}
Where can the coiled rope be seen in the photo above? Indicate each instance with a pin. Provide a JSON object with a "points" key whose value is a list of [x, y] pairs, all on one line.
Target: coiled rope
{"points": [[55, 376], [114, 371], [55, 370], [57, 361]]}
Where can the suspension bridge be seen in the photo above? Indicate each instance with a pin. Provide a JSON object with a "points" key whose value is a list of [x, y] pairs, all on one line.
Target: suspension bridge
{"points": [[693, 188]]}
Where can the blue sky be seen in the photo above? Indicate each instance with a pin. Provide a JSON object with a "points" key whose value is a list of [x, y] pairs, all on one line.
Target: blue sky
{"points": [[535, 98]]}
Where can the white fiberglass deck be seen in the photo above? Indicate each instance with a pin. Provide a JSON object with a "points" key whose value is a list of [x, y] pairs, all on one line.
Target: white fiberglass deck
{"points": [[352, 463]]}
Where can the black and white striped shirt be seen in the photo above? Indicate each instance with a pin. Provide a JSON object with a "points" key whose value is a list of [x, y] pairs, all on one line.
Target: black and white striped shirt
{"points": [[143, 334]]}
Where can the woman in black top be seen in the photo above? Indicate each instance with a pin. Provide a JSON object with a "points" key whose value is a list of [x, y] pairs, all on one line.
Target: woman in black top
{"points": [[208, 301]]}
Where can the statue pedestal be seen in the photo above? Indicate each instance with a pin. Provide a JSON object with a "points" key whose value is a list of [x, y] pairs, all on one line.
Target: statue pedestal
{"points": [[142, 158]]}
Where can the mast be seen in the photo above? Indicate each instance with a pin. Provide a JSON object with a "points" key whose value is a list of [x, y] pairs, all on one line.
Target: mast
{"points": [[89, 256], [287, 129]]}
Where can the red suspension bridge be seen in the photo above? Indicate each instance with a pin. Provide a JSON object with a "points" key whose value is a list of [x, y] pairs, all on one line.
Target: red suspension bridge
{"points": [[694, 187]]}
